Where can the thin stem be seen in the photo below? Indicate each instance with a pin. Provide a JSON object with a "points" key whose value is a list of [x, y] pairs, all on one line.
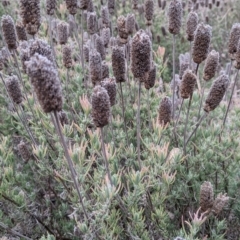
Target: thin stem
{"points": [[197, 69], [173, 62], [50, 36], [111, 125], [149, 111], [190, 56], [201, 102], [138, 124], [176, 123], [230, 100], [70, 163], [123, 112]]}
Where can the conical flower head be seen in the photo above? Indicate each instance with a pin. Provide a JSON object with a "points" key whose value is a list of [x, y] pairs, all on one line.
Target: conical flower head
{"points": [[183, 64], [24, 151], [110, 85], [151, 78], [105, 16], [187, 84], [92, 23], [106, 34], [175, 16], [46, 84], [165, 111], [233, 39], [216, 93], [192, 23], [24, 54], [95, 64], [9, 32], [14, 89], [211, 65], [62, 30], [83, 4], [118, 64], [100, 47], [130, 24], [201, 43], [111, 6], [122, 31], [149, 11], [105, 70], [141, 48], [100, 106], [51, 6], [72, 6], [21, 32], [67, 56], [237, 56], [219, 203], [86, 52], [206, 196]]}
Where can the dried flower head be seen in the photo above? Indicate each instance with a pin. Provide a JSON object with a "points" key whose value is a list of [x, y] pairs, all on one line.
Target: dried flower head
{"points": [[31, 15], [141, 54], [9, 32], [201, 43], [188, 83], [192, 23], [106, 34], [211, 65], [216, 93], [183, 64], [46, 84], [105, 16], [92, 23], [219, 203], [86, 51], [237, 57], [90, 6], [110, 85], [206, 196], [24, 54], [14, 89], [72, 6], [51, 6], [95, 64], [21, 32], [62, 29], [149, 10], [24, 151], [118, 64], [175, 16], [100, 106], [111, 6], [130, 24], [234, 39], [165, 111], [122, 31], [83, 4], [67, 56], [105, 70], [150, 80], [164, 32], [135, 4], [100, 47], [63, 118]]}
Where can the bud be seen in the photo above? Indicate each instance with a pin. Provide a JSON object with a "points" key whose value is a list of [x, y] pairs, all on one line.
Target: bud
{"points": [[111, 6], [100, 106], [72, 6], [51, 6], [9, 32], [14, 89], [100, 47], [105, 70], [24, 54], [62, 28], [234, 39], [206, 196], [21, 32], [150, 81], [219, 203], [106, 34], [86, 51], [118, 64], [110, 85], [201, 43], [90, 6], [130, 24], [92, 22], [83, 4], [46, 84], [192, 23], [149, 10], [187, 84], [63, 118], [95, 64], [211, 65], [67, 56], [216, 93], [105, 16], [23, 150], [31, 15], [165, 111], [164, 32], [122, 31], [140, 54], [175, 16]]}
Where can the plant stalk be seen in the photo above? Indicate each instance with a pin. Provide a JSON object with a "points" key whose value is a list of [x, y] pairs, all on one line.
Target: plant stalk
{"points": [[201, 102], [139, 124], [174, 82]]}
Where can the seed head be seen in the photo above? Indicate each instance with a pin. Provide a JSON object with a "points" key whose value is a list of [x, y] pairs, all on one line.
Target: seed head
{"points": [[100, 106], [24, 54], [110, 85], [111, 6], [165, 111], [105, 16], [237, 57], [83, 4], [92, 22], [106, 36], [21, 32], [62, 28], [192, 23], [149, 10], [90, 6], [175, 16], [122, 31], [130, 24], [206, 196], [183, 64], [105, 70], [135, 4], [216, 93], [219, 203], [86, 52], [188, 83], [24, 151], [150, 80], [14, 89], [46, 84], [31, 15], [100, 47], [211, 65], [51, 6], [234, 39], [9, 32], [95, 64], [118, 64], [201, 43], [72, 6], [140, 54], [67, 56], [63, 118]]}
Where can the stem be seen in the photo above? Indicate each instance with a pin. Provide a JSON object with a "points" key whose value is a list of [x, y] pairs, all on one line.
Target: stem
{"points": [[190, 56], [123, 112], [138, 125], [70, 163], [197, 69], [50, 35], [230, 100], [201, 102], [149, 107], [111, 125], [179, 112], [173, 59], [176, 123]]}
